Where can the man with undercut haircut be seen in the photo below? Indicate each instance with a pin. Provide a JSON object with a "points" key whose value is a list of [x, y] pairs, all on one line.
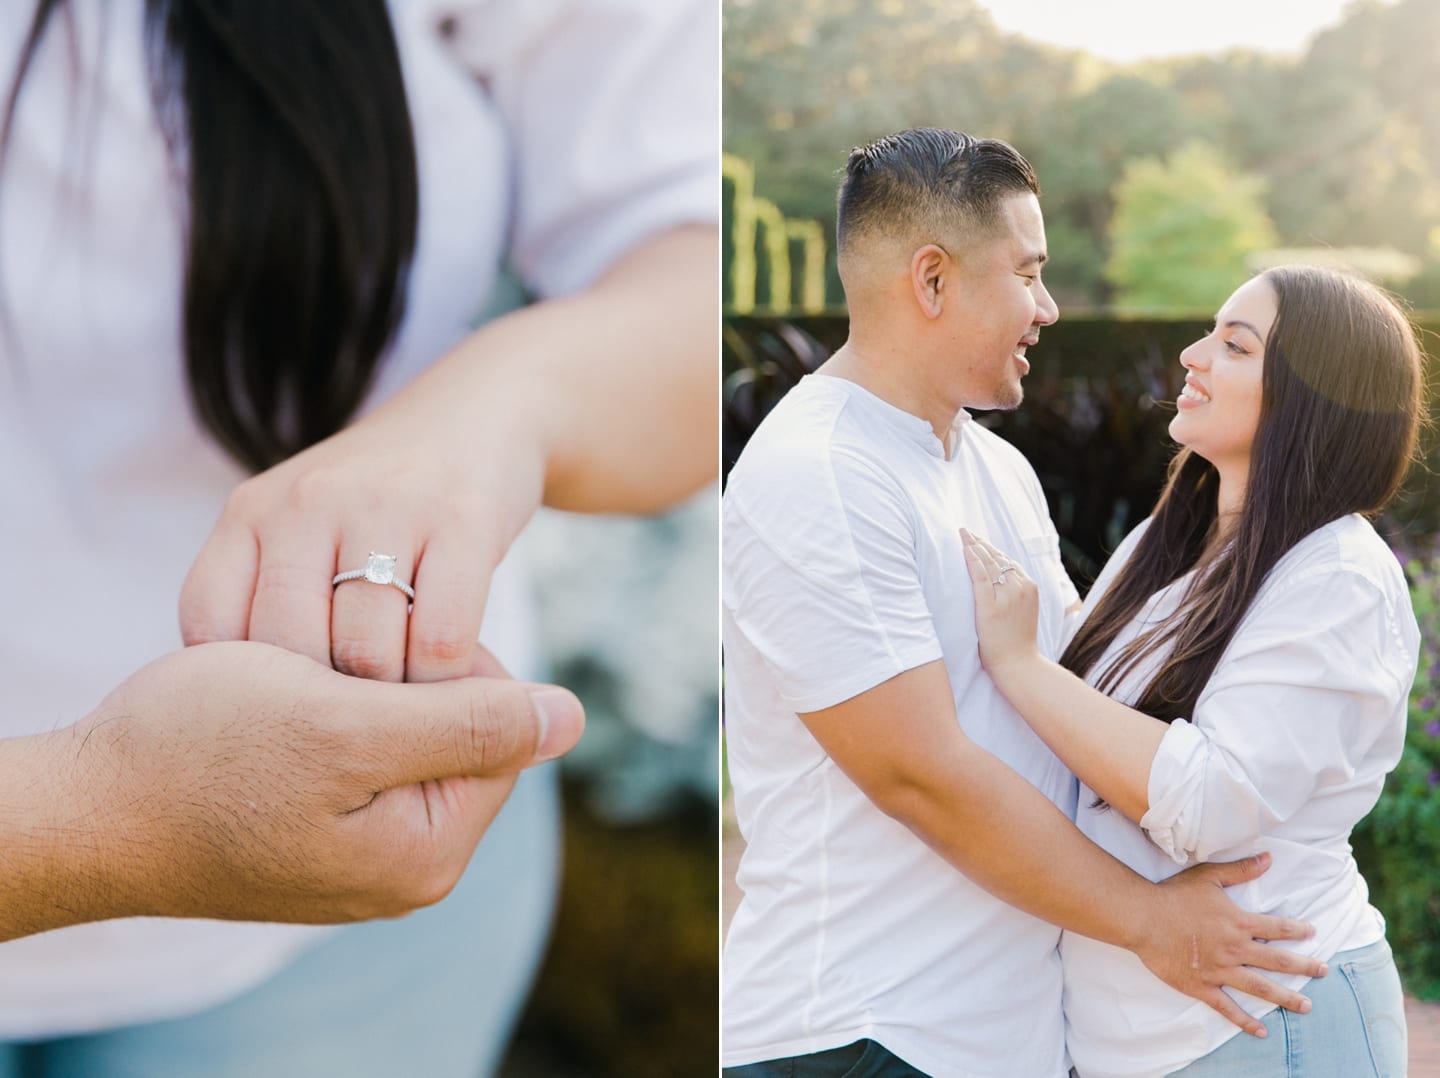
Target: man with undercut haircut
{"points": [[910, 849]]}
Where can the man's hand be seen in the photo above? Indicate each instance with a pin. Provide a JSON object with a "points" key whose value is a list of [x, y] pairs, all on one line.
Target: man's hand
{"points": [[241, 781], [900, 744], [1200, 941]]}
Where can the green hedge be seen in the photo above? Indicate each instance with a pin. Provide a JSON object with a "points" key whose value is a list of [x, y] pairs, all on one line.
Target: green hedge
{"points": [[1398, 844], [1092, 428], [1098, 400]]}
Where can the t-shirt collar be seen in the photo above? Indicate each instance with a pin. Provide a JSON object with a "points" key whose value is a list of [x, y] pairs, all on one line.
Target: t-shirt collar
{"points": [[911, 426]]}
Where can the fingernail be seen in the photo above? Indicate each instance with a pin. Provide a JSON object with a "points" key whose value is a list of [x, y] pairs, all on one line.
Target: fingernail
{"points": [[1324, 969], [1262, 1033], [562, 720], [1304, 1005]]}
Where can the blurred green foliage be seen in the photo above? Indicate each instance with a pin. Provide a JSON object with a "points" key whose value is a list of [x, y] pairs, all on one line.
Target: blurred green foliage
{"points": [[1182, 229], [1098, 401], [1342, 143], [630, 984], [1398, 844]]}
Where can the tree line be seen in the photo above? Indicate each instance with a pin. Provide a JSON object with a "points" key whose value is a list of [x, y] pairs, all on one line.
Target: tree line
{"points": [[1163, 181]]}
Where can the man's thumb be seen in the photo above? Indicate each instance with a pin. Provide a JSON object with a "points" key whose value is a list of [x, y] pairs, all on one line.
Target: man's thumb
{"points": [[561, 720], [469, 726]]}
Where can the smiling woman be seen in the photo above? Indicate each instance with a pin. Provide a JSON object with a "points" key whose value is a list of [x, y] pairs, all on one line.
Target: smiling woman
{"points": [[1251, 649], [1219, 408]]}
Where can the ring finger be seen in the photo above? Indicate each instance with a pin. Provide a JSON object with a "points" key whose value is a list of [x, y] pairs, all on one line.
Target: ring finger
{"points": [[369, 615], [985, 555], [1004, 568]]}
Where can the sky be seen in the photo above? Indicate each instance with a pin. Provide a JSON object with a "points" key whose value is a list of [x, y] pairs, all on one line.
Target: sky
{"points": [[1128, 30]]}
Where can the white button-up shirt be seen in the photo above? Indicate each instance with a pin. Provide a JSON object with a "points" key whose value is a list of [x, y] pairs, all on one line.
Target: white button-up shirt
{"points": [[1289, 744]]}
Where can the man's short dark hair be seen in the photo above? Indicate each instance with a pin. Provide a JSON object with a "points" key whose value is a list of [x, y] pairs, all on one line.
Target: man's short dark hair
{"points": [[928, 182]]}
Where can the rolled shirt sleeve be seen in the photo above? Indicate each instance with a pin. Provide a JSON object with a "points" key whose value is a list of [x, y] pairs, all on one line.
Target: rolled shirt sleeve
{"points": [[1312, 689], [613, 114]]}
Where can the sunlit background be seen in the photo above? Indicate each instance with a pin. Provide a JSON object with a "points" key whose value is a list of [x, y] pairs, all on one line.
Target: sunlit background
{"points": [[1178, 147], [1128, 30]]}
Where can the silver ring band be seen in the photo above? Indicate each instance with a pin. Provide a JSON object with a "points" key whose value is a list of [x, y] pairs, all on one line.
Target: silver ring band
{"points": [[379, 569]]}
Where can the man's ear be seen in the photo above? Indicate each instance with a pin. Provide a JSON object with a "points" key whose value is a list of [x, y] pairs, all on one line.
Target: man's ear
{"points": [[930, 276]]}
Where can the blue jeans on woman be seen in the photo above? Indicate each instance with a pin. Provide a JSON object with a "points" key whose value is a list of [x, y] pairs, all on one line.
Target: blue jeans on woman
{"points": [[1355, 1028]]}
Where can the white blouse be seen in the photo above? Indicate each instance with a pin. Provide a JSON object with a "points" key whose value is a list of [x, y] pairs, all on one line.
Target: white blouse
{"points": [[1286, 751], [553, 135]]}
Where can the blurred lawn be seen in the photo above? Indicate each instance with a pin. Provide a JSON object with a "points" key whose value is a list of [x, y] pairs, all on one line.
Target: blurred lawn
{"points": [[630, 985]]}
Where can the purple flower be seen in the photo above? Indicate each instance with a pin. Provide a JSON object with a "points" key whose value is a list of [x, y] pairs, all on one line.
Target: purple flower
{"points": [[1433, 727], [1433, 779], [1427, 703]]}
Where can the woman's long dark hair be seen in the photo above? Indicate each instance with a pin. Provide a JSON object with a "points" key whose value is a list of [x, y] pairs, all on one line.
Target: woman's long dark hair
{"points": [[290, 124], [1340, 407]]}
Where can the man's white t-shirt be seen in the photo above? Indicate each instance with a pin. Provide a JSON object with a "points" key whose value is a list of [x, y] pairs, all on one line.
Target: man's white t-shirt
{"points": [[1287, 750], [843, 567]]}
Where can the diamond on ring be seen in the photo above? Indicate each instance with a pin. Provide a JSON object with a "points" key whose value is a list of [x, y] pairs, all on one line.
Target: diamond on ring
{"points": [[379, 569]]}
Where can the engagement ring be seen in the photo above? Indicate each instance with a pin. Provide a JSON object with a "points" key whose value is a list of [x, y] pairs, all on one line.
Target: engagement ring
{"points": [[379, 569]]}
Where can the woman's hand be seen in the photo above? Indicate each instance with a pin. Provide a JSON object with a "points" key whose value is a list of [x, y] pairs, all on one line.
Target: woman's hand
{"points": [[600, 402], [1007, 609], [415, 481]]}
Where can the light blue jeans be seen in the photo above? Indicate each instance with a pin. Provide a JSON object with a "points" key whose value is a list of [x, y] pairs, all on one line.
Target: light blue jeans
{"points": [[432, 994], [1355, 1028]]}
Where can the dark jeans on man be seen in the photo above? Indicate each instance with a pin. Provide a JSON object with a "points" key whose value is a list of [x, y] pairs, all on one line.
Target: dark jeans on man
{"points": [[863, 1059]]}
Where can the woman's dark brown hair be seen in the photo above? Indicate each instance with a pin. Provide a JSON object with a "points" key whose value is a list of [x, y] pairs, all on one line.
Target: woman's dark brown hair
{"points": [[1341, 397], [290, 124]]}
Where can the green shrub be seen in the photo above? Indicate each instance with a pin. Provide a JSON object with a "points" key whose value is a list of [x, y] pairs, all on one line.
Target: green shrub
{"points": [[1398, 844], [1098, 402]]}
